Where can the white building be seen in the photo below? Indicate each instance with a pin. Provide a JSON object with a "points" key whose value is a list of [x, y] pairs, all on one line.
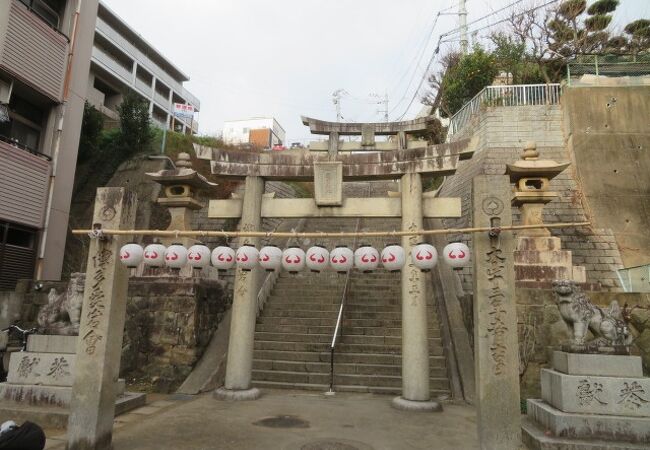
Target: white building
{"points": [[263, 132], [121, 60]]}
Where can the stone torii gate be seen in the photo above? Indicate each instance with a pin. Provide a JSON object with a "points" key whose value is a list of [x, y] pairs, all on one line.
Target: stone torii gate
{"points": [[328, 164]]}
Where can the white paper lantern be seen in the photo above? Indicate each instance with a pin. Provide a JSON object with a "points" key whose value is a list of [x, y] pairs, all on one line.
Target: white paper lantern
{"points": [[154, 255], [318, 258], [247, 257], [198, 256], [293, 259], [175, 256], [223, 258], [131, 255], [456, 255], [341, 258], [271, 258], [393, 258], [366, 258], [424, 256]]}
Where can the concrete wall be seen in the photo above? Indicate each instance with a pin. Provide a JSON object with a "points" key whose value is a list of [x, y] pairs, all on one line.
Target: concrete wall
{"points": [[608, 133], [52, 245], [501, 132]]}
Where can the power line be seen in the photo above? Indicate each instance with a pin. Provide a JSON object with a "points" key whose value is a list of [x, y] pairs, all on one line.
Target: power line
{"points": [[460, 28], [440, 40]]}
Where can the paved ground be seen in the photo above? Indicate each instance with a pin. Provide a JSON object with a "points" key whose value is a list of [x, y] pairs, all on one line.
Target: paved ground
{"points": [[289, 420]]}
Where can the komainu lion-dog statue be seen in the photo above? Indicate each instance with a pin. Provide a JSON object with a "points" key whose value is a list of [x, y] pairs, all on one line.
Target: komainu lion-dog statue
{"points": [[606, 325]]}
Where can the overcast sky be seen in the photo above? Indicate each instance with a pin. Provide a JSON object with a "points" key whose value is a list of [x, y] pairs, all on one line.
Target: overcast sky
{"points": [[285, 58]]}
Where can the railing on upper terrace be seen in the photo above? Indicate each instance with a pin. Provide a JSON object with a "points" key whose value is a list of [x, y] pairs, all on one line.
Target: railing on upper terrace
{"points": [[608, 65], [504, 95]]}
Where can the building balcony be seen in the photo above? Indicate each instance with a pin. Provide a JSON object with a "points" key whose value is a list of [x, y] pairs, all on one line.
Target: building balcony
{"points": [[143, 87], [106, 61], [24, 184], [31, 50], [162, 101]]}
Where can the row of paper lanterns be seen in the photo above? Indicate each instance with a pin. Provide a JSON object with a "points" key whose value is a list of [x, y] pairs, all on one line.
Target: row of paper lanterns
{"points": [[293, 259]]}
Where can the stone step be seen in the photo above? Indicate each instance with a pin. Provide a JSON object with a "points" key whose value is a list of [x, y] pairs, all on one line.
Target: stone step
{"points": [[336, 300], [316, 306], [435, 347], [367, 331], [57, 417], [345, 340], [330, 314], [435, 393], [393, 370], [331, 321], [343, 358], [340, 379]]}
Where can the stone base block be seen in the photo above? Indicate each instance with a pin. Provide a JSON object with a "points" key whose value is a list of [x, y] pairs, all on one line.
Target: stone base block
{"points": [[536, 438], [589, 426], [57, 417], [586, 394], [598, 365], [410, 405], [37, 395], [51, 344], [50, 369], [538, 243], [237, 395]]}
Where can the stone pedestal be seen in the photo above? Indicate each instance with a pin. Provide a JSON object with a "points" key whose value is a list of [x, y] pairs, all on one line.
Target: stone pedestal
{"points": [[540, 259], [39, 383], [590, 402]]}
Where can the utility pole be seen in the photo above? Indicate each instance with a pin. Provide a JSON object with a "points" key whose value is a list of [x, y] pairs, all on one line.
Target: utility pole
{"points": [[382, 100], [462, 19], [336, 99]]}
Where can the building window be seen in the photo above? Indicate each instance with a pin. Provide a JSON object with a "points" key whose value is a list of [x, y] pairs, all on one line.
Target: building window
{"points": [[244, 130], [49, 11], [24, 125], [17, 254]]}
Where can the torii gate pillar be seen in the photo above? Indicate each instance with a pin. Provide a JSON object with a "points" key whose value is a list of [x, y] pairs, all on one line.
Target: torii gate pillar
{"points": [[415, 341], [244, 307]]}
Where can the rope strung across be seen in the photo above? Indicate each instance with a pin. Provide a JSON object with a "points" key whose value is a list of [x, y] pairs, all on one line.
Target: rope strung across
{"points": [[269, 234]]}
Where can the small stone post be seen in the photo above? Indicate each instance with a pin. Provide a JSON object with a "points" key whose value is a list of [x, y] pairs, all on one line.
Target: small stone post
{"points": [[244, 307], [99, 347], [415, 342], [496, 348]]}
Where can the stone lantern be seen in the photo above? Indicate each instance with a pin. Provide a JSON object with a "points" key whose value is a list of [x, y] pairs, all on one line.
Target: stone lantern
{"points": [[531, 176], [539, 258], [182, 186]]}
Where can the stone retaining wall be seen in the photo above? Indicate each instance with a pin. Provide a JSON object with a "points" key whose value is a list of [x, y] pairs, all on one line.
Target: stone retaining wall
{"points": [[169, 324]]}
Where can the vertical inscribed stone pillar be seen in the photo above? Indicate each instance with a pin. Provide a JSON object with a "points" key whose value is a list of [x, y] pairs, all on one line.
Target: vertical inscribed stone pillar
{"points": [[99, 347], [495, 317], [244, 307], [415, 343]]}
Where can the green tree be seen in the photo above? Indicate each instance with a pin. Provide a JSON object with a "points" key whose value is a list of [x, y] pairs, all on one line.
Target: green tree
{"points": [[91, 131], [467, 78], [135, 125], [639, 32]]}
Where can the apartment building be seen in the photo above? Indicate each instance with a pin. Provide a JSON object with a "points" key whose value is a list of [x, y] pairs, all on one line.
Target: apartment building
{"points": [[123, 60], [263, 132], [42, 90]]}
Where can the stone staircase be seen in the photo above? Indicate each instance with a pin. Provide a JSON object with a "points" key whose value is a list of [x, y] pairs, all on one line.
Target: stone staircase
{"points": [[293, 333]]}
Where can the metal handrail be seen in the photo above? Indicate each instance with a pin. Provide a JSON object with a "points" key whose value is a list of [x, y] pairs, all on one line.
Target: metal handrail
{"points": [[504, 95], [338, 330]]}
